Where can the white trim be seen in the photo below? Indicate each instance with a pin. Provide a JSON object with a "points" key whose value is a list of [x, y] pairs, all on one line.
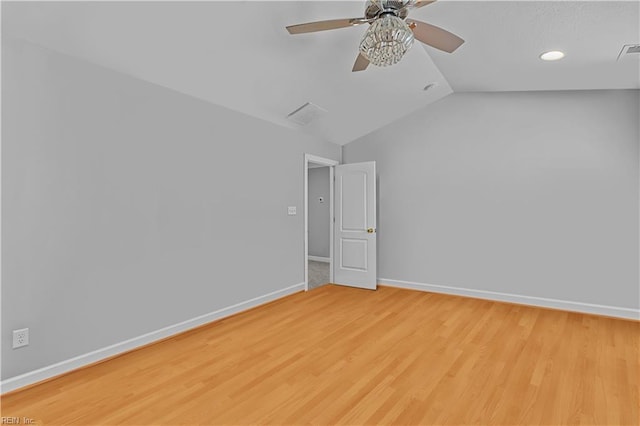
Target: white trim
{"points": [[566, 305], [62, 367], [308, 158], [332, 219], [319, 259]]}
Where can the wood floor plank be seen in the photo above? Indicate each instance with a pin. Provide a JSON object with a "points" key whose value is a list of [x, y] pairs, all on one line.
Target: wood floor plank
{"points": [[339, 355]]}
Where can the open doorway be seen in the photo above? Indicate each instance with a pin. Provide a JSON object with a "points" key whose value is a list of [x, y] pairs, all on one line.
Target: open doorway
{"points": [[318, 247], [319, 216]]}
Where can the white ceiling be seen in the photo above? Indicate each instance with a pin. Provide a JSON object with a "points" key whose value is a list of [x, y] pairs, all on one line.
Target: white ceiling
{"points": [[505, 38], [239, 55]]}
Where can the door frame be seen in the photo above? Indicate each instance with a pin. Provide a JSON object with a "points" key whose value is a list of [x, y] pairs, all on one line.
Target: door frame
{"points": [[309, 158]]}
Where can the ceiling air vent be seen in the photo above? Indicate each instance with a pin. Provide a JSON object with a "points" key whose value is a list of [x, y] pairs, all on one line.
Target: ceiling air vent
{"points": [[306, 114], [628, 49]]}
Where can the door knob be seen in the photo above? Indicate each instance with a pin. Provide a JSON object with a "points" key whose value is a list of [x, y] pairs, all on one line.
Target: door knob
{"points": [[370, 230]]}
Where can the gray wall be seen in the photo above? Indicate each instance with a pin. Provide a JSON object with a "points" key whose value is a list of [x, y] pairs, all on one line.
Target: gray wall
{"points": [[532, 194], [319, 212], [128, 207]]}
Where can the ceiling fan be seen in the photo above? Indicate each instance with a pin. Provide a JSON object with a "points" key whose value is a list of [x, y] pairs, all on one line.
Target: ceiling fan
{"points": [[390, 33]]}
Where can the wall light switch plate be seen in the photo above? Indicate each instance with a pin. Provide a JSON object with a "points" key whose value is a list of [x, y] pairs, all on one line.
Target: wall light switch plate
{"points": [[291, 211]]}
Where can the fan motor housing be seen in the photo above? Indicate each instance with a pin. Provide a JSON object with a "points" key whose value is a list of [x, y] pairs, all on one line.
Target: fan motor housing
{"points": [[375, 8]]}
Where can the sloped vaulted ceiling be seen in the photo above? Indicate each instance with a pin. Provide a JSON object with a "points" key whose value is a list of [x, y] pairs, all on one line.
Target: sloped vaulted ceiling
{"points": [[239, 55]]}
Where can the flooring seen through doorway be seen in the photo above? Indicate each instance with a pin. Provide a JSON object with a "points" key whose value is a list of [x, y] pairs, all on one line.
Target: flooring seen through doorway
{"points": [[318, 273]]}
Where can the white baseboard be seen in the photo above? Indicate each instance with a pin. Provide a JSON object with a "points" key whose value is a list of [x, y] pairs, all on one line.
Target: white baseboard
{"points": [[566, 305], [62, 367], [319, 259]]}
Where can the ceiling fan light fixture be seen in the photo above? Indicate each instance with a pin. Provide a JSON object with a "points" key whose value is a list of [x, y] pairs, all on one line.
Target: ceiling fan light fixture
{"points": [[386, 40]]}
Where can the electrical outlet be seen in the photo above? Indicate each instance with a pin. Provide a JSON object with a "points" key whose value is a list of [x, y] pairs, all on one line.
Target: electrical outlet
{"points": [[20, 338]]}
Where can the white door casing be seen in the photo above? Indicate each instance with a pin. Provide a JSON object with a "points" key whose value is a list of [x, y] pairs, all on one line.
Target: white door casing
{"points": [[354, 253]]}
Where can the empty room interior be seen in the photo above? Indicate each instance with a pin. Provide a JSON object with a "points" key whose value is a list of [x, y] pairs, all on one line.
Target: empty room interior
{"points": [[400, 212]]}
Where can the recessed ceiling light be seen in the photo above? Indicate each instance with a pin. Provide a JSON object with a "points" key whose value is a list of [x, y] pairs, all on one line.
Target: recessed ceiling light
{"points": [[553, 55]]}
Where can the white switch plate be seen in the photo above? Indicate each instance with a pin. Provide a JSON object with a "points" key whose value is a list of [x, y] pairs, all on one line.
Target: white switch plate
{"points": [[291, 210], [20, 338]]}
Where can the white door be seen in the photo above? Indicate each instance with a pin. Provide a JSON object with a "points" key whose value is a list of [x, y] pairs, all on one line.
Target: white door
{"points": [[355, 225]]}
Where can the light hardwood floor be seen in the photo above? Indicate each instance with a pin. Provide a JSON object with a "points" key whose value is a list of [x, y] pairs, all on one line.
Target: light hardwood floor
{"points": [[338, 355]]}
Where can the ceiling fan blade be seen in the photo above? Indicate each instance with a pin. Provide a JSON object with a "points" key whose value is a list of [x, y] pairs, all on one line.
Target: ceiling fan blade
{"points": [[361, 63], [434, 36], [421, 3], [331, 24]]}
